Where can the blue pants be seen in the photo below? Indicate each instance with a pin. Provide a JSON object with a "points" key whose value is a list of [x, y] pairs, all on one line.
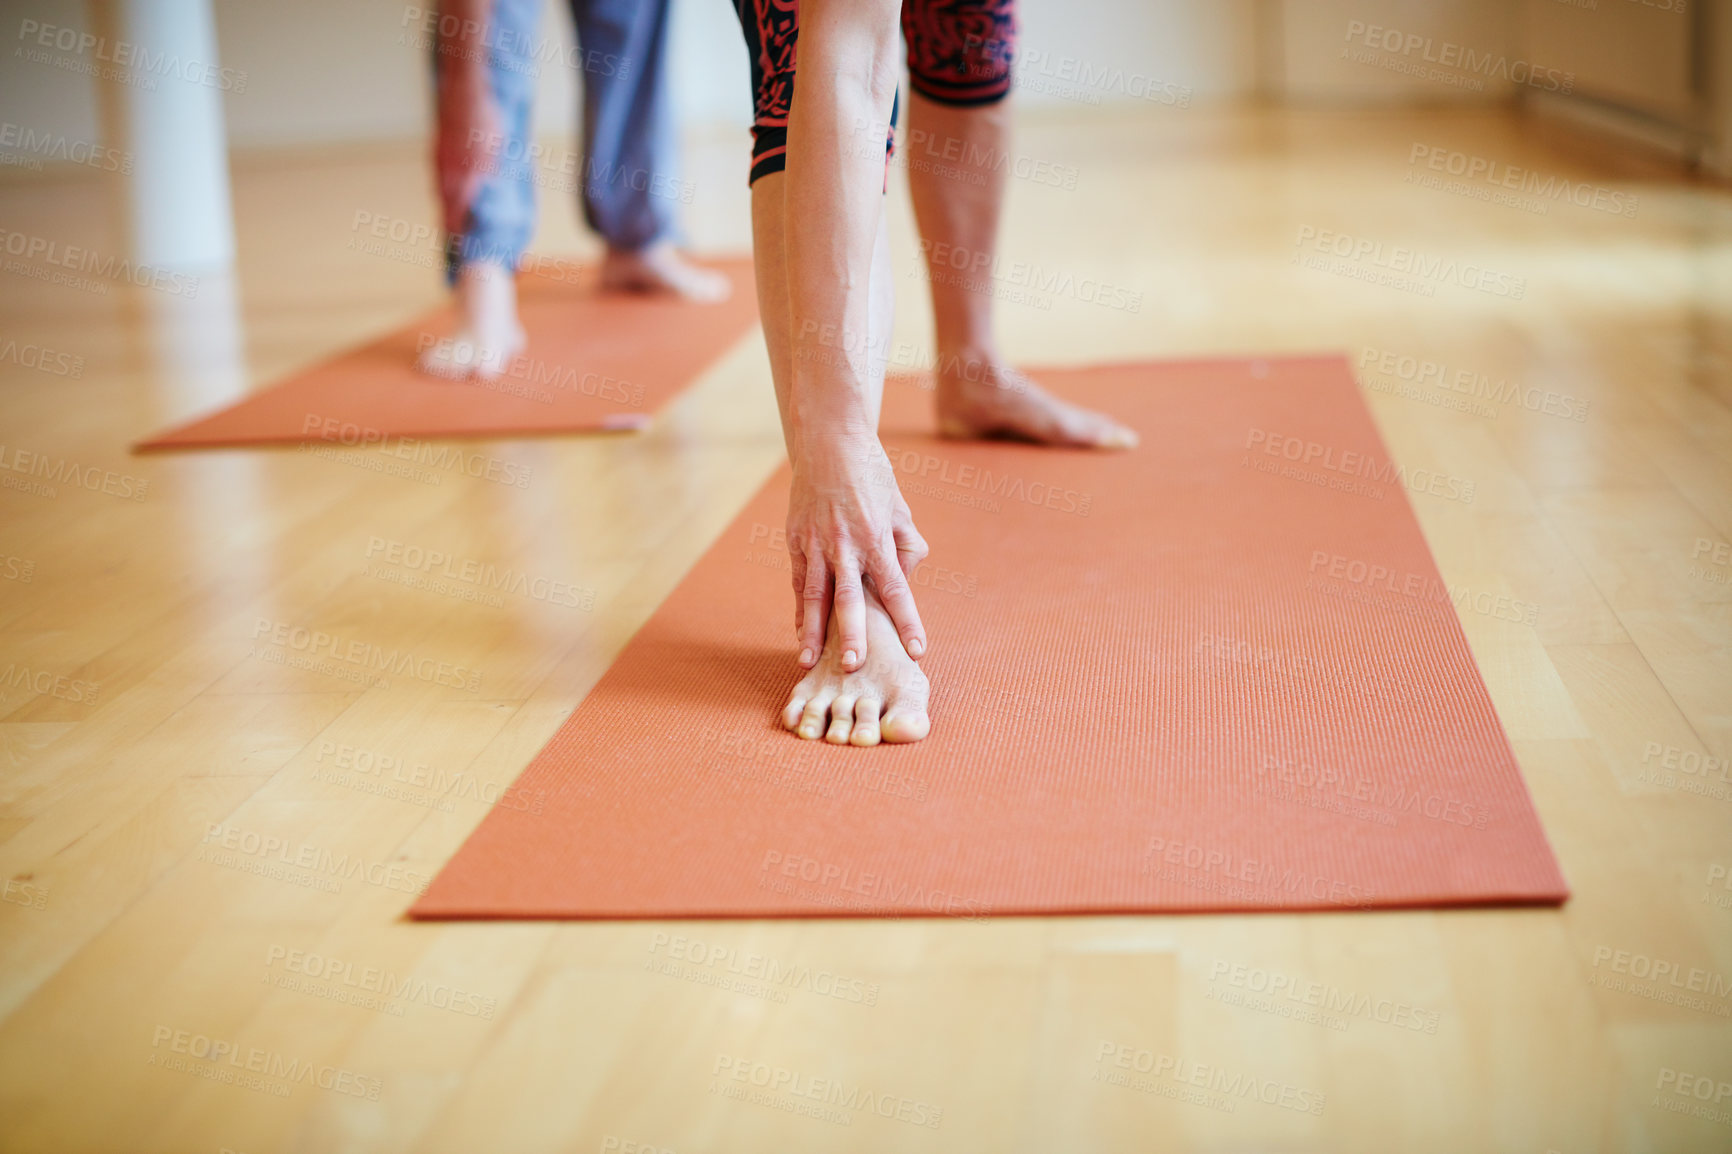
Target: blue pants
{"points": [[627, 172]]}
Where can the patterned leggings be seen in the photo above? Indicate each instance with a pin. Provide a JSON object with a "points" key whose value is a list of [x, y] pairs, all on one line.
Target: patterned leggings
{"points": [[959, 52]]}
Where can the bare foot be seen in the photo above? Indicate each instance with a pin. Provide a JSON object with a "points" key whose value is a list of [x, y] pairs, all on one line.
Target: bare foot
{"points": [[661, 269], [488, 336], [883, 700], [981, 396]]}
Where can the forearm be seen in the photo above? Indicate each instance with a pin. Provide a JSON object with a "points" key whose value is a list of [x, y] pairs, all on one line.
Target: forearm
{"points": [[462, 46], [834, 196]]}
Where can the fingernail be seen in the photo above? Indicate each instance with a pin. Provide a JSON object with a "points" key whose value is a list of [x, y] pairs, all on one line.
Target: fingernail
{"points": [[805, 657], [848, 657], [916, 647]]}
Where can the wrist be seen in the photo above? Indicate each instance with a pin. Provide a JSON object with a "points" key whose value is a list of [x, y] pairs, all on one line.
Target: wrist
{"points": [[830, 407], [834, 456], [828, 429]]}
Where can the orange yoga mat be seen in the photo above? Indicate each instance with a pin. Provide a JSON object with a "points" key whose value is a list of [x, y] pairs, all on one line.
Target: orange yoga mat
{"points": [[1219, 672], [594, 361]]}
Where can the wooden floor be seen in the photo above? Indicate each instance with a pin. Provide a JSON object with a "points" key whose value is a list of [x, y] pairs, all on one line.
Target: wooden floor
{"points": [[131, 947]]}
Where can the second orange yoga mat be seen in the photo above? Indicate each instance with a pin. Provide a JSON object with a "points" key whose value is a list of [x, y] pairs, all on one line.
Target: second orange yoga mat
{"points": [[594, 361], [1219, 672]]}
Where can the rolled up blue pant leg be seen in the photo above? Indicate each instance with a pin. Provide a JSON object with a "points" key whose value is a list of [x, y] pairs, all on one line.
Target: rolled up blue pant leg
{"points": [[502, 215], [630, 180]]}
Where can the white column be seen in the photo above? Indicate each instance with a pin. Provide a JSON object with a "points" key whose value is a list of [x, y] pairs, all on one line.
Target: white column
{"points": [[181, 219]]}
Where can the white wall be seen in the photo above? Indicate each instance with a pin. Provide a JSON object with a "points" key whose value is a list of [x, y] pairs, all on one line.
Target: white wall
{"points": [[36, 96], [321, 71], [1634, 54], [324, 70], [1323, 51], [1207, 48], [327, 70]]}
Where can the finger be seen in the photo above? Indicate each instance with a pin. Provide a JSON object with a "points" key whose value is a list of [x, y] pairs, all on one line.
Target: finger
{"points": [[815, 599], [797, 563], [898, 597], [910, 545], [850, 610], [841, 720]]}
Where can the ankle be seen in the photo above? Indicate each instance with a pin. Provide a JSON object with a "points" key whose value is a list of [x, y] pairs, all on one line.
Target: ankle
{"points": [[643, 254], [975, 371], [487, 298]]}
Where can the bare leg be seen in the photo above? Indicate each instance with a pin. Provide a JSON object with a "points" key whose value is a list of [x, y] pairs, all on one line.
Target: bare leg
{"points": [[979, 395], [488, 335], [660, 268], [885, 699]]}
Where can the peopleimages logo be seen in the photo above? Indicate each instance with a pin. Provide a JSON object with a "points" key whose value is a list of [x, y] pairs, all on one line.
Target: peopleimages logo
{"points": [[1116, 1061], [28, 143], [257, 1061], [1669, 980], [349, 978], [987, 268], [452, 457], [1485, 65], [521, 52], [46, 683], [833, 1092], [1503, 176], [135, 61], [41, 358], [64, 472], [922, 469], [436, 563], [1343, 468], [1472, 385], [1334, 1005], [860, 889], [77, 259], [319, 868], [315, 643], [1401, 261], [1223, 871], [760, 968]]}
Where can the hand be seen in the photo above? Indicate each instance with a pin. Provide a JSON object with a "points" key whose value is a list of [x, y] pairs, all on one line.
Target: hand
{"points": [[467, 139], [847, 523]]}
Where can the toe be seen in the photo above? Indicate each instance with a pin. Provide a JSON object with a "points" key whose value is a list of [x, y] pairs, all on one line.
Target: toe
{"points": [[435, 362], [865, 722], [796, 706], [906, 718], [812, 718], [1116, 436], [904, 724], [1084, 427], [841, 720]]}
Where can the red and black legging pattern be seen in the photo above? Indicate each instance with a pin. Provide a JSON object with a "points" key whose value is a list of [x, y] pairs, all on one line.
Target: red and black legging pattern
{"points": [[960, 52]]}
